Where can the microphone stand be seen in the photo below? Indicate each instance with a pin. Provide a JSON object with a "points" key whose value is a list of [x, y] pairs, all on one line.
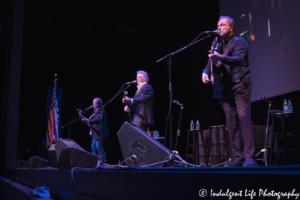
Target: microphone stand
{"points": [[171, 158], [169, 57], [264, 150], [178, 130], [100, 109], [72, 121]]}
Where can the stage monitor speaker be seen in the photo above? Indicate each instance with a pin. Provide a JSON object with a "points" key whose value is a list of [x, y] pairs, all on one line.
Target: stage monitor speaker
{"points": [[52, 155], [62, 144], [22, 164], [37, 162], [72, 157], [140, 147]]}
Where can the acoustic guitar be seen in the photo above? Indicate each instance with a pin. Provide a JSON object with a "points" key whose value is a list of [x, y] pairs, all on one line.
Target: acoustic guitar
{"points": [[81, 115], [129, 113], [216, 74]]}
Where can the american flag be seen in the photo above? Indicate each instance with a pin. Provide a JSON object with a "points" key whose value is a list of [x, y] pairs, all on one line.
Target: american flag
{"points": [[52, 130]]}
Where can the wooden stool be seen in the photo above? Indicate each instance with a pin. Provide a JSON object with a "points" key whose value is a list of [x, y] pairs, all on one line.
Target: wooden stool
{"points": [[218, 143], [282, 135], [195, 146]]}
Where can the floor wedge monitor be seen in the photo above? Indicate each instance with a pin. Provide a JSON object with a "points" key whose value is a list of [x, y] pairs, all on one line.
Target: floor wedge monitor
{"points": [[37, 162], [140, 148], [63, 143], [73, 157]]}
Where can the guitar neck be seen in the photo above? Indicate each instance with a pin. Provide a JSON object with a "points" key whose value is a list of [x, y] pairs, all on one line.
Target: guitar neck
{"points": [[211, 62]]}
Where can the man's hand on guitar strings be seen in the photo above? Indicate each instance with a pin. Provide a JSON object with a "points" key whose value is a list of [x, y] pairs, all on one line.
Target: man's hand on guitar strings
{"points": [[205, 78], [85, 120], [126, 100], [215, 57]]}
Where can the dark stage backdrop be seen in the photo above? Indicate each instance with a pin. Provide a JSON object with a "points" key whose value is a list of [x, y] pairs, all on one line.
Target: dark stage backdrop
{"points": [[94, 49], [273, 39]]}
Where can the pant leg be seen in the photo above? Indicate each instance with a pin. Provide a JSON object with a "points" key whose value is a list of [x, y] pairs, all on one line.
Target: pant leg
{"points": [[93, 147], [234, 128], [243, 104], [99, 148]]}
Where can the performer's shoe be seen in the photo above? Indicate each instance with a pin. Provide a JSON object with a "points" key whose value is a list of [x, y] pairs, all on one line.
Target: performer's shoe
{"points": [[234, 163], [249, 162]]}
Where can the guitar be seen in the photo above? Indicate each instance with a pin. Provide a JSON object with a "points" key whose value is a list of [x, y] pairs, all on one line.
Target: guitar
{"points": [[129, 113], [81, 115], [216, 74]]}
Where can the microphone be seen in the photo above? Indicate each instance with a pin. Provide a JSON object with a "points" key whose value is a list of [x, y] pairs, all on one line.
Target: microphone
{"points": [[212, 32], [131, 82], [177, 102]]}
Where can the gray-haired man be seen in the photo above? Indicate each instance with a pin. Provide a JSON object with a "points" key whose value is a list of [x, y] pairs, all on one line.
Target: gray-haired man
{"points": [[141, 104]]}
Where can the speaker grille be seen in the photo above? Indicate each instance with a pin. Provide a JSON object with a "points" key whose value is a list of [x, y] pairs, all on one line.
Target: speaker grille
{"points": [[140, 147]]}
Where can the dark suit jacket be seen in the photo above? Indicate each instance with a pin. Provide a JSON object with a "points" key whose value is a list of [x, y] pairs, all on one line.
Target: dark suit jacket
{"points": [[142, 106], [96, 127]]}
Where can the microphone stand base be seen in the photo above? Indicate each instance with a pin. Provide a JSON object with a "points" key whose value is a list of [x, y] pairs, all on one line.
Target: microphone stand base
{"points": [[173, 163]]}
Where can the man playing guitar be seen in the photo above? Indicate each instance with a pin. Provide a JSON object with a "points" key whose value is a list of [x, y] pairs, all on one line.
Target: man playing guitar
{"points": [[98, 124], [231, 55]]}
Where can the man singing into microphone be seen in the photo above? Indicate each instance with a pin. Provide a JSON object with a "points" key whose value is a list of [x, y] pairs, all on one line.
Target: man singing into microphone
{"points": [[98, 124], [232, 56], [141, 103]]}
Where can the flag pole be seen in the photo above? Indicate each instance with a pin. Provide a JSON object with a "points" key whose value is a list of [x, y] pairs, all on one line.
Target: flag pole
{"points": [[52, 129]]}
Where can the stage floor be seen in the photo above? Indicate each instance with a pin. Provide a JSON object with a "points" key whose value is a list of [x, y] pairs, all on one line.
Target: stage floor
{"points": [[163, 183]]}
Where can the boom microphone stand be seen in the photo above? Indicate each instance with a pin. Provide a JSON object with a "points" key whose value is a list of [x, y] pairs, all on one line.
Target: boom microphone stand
{"points": [[100, 109], [74, 120], [264, 150], [169, 57], [171, 158]]}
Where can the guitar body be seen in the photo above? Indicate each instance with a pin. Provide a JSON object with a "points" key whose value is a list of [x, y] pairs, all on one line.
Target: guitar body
{"points": [[129, 113], [216, 75], [218, 82]]}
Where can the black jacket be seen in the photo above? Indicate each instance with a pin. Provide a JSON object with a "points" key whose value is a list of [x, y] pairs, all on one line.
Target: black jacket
{"points": [[96, 127], [142, 106], [235, 64]]}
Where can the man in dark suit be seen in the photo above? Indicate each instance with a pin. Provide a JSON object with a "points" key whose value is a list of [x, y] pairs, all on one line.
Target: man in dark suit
{"points": [[141, 104], [232, 56], [98, 124]]}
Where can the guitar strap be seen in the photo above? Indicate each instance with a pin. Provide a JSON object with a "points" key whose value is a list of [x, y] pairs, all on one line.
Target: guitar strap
{"points": [[219, 63], [229, 46], [227, 49]]}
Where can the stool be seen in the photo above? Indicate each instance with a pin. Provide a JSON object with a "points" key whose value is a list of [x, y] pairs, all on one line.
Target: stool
{"points": [[282, 135], [217, 143], [195, 146]]}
